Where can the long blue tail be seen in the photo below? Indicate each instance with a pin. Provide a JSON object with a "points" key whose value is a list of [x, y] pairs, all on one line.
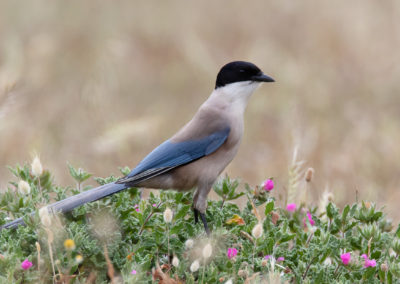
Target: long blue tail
{"points": [[66, 205]]}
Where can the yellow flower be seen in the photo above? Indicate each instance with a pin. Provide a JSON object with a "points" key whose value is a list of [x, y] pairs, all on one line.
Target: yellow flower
{"points": [[78, 258], [69, 244]]}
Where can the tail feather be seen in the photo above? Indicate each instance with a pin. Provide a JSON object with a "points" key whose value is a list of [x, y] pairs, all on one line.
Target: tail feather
{"points": [[68, 204]]}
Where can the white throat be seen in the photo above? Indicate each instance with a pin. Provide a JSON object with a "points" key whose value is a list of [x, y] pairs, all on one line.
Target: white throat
{"points": [[235, 95]]}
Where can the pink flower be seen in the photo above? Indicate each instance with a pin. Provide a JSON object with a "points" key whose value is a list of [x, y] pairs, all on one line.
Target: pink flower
{"points": [[231, 253], [133, 272], [268, 185], [26, 264], [267, 256], [346, 257], [291, 207], [279, 259], [368, 262], [312, 222], [154, 205], [136, 207]]}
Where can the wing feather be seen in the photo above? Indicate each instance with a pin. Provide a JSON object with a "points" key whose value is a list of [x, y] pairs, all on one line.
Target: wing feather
{"points": [[170, 155]]}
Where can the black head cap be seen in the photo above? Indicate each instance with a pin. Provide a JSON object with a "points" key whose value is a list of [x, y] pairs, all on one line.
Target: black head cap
{"points": [[239, 71]]}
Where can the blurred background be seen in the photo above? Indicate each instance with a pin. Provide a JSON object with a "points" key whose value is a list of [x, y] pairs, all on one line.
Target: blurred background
{"points": [[101, 83]]}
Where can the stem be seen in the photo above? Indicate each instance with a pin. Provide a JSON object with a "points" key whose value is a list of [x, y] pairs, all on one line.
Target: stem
{"points": [[308, 267], [147, 219], [204, 269], [336, 270], [168, 240], [254, 252], [223, 202], [51, 259], [309, 239], [40, 188]]}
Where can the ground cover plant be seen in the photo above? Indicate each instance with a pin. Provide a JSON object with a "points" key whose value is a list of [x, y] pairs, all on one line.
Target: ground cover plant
{"points": [[128, 239]]}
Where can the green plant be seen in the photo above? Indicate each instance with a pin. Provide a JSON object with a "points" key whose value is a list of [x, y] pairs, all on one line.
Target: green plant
{"points": [[126, 236]]}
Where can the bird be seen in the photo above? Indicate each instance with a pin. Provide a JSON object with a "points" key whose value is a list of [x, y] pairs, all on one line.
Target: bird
{"points": [[196, 155]]}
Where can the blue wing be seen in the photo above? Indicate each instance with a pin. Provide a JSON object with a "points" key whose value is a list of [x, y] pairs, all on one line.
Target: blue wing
{"points": [[170, 155]]}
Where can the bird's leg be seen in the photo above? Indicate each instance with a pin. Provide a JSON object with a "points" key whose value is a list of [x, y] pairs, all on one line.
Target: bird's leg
{"points": [[196, 215], [200, 204], [203, 219]]}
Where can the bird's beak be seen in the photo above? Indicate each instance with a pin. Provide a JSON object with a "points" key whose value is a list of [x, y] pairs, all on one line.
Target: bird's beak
{"points": [[262, 78]]}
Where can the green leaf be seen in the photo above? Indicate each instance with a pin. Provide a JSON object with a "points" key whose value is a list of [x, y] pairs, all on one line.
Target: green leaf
{"points": [[269, 207], [182, 212], [346, 211]]}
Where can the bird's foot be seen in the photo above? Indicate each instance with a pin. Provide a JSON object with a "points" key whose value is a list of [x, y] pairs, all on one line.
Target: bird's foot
{"points": [[203, 219]]}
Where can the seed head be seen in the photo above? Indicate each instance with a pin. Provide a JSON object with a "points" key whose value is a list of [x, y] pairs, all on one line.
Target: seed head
{"points": [[175, 261], [309, 174], [168, 214], [207, 251], [45, 216], [257, 231], [37, 169], [189, 244], [24, 187], [195, 266]]}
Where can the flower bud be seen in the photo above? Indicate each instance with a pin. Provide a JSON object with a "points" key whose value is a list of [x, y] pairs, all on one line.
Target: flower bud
{"points": [[37, 169], [24, 187], [309, 174], [168, 214]]}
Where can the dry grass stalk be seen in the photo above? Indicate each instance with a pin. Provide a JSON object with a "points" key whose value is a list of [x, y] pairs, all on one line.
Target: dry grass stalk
{"points": [[247, 236], [251, 278], [50, 239], [110, 267], [295, 177], [91, 278], [38, 254], [162, 277]]}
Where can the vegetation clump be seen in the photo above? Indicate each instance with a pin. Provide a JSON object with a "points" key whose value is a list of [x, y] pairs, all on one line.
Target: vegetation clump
{"points": [[127, 239]]}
